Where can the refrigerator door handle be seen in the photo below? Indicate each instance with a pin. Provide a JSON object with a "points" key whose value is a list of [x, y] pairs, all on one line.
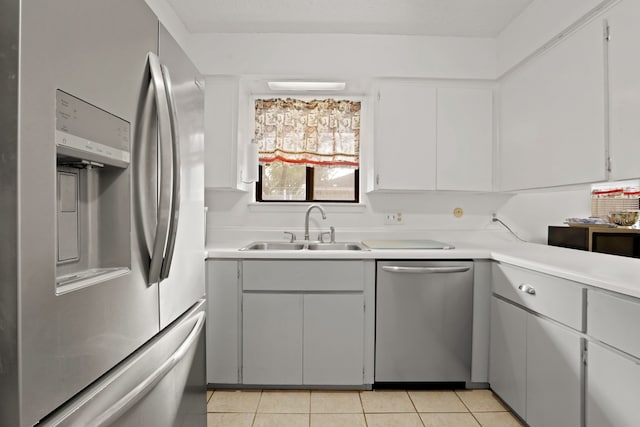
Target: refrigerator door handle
{"points": [[132, 397], [165, 189], [175, 174]]}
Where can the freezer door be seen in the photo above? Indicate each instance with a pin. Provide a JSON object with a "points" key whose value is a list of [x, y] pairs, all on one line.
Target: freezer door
{"points": [[96, 51], [183, 270], [161, 385]]}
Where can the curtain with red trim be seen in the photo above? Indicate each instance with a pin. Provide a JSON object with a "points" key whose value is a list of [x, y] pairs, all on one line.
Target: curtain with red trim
{"points": [[322, 132]]}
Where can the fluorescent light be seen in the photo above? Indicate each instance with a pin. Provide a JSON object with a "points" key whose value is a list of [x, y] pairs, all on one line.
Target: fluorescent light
{"points": [[300, 85]]}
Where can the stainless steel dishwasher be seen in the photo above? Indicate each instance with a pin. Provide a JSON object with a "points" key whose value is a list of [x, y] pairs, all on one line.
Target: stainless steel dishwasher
{"points": [[424, 314]]}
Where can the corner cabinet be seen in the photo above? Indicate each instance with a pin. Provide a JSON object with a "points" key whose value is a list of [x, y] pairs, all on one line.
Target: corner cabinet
{"points": [[551, 108], [536, 348], [613, 360], [291, 322], [432, 138], [624, 89]]}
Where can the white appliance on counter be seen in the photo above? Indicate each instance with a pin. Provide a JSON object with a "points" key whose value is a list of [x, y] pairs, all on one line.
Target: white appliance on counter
{"points": [[101, 220]]}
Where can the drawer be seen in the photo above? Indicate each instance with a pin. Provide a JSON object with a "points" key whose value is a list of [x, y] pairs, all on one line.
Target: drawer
{"points": [[613, 320], [559, 299], [297, 275]]}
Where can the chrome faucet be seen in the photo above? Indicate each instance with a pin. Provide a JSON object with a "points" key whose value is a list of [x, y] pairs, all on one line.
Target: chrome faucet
{"points": [[306, 219]]}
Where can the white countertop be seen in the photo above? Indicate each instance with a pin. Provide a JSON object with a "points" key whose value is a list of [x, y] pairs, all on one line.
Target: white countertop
{"points": [[609, 272]]}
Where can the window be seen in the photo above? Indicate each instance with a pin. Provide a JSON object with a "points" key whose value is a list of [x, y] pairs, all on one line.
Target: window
{"points": [[308, 150]]}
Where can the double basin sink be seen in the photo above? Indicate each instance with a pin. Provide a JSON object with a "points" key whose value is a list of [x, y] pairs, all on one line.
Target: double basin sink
{"points": [[299, 246]]}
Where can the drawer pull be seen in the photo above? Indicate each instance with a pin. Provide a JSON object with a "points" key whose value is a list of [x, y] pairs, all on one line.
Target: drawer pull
{"points": [[528, 289]]}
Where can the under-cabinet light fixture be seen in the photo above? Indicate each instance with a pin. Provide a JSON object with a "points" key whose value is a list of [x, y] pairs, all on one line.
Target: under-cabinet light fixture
{"points": [[306, 86]]}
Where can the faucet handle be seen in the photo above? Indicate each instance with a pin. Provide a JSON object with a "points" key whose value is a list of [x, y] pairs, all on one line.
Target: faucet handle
{"points": [[322, 234], [291, 235], [332, 232]]}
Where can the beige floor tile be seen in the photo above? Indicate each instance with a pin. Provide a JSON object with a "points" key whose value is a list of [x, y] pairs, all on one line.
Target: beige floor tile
{"points": [[437, 401], [209, 394], [393, 420], [229, 420], [281, 420], [449, 420], [497, 419], [335, 402], [338, 420], [386, 401], [234, 401], [285, 402], [481, 401]]}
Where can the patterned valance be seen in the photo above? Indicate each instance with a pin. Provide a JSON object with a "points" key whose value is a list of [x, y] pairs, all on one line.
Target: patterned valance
{"points": [[320, 132]]}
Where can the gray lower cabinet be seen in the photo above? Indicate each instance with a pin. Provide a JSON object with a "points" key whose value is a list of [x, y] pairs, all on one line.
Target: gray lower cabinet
{"points": [[312, 339], [612, 398], [223, 322], [305, 322], [554, 374], [613, 360], [333, 344], [508, 354], [535, 366], [272, 338]]}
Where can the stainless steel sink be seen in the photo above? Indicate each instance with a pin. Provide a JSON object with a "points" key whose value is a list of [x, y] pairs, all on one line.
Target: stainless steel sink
{"points": [[273, 246], [345, 246], [297, 246]]}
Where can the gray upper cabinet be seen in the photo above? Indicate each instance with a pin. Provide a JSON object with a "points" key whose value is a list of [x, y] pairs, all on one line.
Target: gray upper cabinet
{"points": [[552, 115], [405, 136], [624, 89]]}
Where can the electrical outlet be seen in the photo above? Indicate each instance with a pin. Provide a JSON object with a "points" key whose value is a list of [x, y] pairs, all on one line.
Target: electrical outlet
{"points": [[394, 218]]}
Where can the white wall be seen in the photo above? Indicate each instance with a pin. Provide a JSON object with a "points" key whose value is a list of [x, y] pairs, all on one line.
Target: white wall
{"points": [[233, 216], [530, 213], [542, 21], [345, 55]]}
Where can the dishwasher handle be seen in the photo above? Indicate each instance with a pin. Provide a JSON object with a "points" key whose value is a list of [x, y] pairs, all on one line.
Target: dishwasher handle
{"points": [[425, 270]]}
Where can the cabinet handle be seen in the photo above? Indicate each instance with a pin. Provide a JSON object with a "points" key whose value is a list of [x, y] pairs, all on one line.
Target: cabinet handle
{"points": [[526, 288], [377, 179], [424, 270]]}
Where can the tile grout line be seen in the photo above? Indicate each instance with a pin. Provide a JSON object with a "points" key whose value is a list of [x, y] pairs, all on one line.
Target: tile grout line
{"points": [[414, 406]]}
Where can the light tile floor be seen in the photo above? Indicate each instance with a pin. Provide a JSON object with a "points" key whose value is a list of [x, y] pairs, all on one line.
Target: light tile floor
{"points": [[381, 408]]}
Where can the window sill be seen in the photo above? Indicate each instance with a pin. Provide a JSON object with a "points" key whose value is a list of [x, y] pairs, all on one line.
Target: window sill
{"points": [[302, 206]]}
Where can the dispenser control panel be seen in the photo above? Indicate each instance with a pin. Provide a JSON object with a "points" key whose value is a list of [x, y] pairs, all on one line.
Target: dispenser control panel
{"points": [[90, 134]]}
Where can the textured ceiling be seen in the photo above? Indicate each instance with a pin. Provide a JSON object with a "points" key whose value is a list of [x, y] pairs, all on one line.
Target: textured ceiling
{"points": [[472, 18]]}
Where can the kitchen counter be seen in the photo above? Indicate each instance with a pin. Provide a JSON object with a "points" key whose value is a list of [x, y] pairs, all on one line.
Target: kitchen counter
{"points": [[609, 272]]}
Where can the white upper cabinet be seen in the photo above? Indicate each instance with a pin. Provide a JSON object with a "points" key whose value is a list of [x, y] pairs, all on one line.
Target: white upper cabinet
{"points": [[429, 138], [405, 136], [465, 139], [220, 132], [624, 90], [552, 108]]}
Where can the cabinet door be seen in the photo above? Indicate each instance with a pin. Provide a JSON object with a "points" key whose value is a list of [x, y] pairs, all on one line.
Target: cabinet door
{"points": [[271, 338], [612, 388], [554, 374], [405, 136], [223, 315], [333, 339], [220, 131], [624, 90], [507, 354], [552, 115], [465, 139]]}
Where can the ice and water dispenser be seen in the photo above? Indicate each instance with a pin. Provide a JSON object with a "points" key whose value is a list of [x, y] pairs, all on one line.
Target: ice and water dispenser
{"points": [[93, 194]]}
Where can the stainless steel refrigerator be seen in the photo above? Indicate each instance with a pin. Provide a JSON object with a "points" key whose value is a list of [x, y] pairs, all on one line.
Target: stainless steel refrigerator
{"points": [[101, 218]]}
